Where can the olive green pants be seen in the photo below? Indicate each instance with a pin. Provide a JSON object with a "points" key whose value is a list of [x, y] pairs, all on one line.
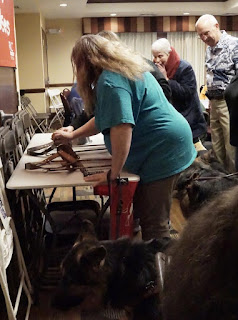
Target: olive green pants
{"points": [[220, 134], [152, 203]]}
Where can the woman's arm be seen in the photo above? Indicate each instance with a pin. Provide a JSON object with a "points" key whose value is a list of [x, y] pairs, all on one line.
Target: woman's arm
{"points": [[120, 136], [88, 129], [121, 142]]}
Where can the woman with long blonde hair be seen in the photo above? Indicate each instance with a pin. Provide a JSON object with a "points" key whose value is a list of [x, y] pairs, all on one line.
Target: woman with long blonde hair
{"points": [[142, 130], [102, 53]]}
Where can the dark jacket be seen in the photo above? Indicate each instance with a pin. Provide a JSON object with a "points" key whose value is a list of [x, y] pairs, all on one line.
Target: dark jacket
{"points": [[185, 98], [161, 80], [231, 96], [79, 117], [73, 93]]}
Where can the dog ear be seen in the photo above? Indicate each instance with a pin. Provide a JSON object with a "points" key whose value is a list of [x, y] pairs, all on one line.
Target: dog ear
{"points": [[94, 257]]}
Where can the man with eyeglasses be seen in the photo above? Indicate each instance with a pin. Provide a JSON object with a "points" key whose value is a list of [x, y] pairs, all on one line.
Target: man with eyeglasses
{"points": [[222, 65]]}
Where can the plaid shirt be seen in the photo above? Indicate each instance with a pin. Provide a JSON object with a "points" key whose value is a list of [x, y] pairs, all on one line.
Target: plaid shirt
{"points": [[222, 62]]}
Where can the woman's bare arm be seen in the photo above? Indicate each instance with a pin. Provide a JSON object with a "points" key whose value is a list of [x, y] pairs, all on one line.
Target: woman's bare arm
{"points": [[120, 136], [88, 129]]}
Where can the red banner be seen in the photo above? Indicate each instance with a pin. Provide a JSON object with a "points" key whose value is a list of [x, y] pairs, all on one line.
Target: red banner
{"points": [[7, 36]]}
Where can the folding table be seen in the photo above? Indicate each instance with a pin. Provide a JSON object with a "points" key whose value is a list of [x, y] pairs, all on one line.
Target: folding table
{"points": [[121, 195]]}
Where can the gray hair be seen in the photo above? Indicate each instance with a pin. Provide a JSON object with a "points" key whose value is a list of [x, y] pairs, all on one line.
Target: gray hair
{"points": [[206, 18], [162, 45]]}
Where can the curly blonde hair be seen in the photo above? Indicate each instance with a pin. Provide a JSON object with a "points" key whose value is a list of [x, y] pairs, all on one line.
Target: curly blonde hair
{"points": [[92, 54]]}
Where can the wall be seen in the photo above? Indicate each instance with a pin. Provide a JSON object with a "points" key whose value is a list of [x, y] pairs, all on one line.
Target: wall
{"points": [[35, 56], [30, 57], [59, 49], [8, 94]]}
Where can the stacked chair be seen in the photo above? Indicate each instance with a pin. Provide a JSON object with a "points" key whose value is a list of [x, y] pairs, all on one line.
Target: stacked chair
{"points": [[26, 223], [17, 127], [27, 124], [11, 259], [40, 121], [57, 107], [40, 239], [14, 279], [4, 116]]}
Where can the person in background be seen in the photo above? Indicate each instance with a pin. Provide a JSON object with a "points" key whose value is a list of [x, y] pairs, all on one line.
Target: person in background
{"points": [[205, 106], [182, 81], [231, 96], [73, 93], [112, 36], [79, 116], [221, 64], [142, 130], [203, 98], [203, 90]]}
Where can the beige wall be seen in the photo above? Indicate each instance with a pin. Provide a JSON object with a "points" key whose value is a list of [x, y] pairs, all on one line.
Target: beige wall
{"points": [[30, 56], [59, 48], [30, 53]]}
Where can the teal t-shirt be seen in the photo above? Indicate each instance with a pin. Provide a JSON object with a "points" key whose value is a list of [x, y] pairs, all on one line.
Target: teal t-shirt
{"points": [[162, 142]]}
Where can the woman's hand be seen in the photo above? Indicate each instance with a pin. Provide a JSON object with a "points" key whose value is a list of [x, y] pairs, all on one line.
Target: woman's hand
{"points": [[67, 129], [62, 137], [162, 69], [97, 178]]}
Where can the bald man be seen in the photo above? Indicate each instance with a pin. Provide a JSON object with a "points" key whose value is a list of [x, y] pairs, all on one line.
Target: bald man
{"points": [[222, 65]]}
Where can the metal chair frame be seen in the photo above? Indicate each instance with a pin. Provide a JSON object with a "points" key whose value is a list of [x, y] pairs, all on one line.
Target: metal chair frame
{"points": [[27, 124], [39, 120], [25, 284], [17, 126], [56, 106]]}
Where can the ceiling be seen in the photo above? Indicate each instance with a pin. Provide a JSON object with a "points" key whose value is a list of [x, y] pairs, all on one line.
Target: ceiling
{"points": [[50, 9]]}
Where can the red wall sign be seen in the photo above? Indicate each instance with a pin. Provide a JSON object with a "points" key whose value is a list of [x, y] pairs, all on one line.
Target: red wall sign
{"points": [[7, 36]]}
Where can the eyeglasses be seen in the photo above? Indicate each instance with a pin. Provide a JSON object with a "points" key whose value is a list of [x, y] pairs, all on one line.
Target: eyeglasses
{"points": [[204, 34]]}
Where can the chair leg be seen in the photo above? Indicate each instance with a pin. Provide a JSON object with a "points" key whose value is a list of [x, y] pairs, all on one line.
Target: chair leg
{"points": [[52, 195], [74, 194], [54, 119], [5, 290]]}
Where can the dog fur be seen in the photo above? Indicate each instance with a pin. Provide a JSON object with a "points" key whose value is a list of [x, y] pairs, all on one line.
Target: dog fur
{"points": [[121, 274], [201, 281], [201, 182]]}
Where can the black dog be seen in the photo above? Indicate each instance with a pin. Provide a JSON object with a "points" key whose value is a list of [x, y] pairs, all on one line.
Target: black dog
{"points": [[121, 274], [201, 281], [201, 182]]}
